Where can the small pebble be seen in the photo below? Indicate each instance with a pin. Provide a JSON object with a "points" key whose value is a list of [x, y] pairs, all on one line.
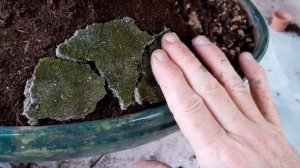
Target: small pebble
{"points": [[241, 33], [232, 52], [248, 40], [224, 48]]}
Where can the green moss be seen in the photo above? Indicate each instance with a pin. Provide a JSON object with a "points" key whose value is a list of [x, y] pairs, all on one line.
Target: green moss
{"points": [[149, 90], [116, 47], [63, 90]]}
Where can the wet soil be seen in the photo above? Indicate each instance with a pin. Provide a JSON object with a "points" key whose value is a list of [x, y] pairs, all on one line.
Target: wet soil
{"points": [[32, 29]]}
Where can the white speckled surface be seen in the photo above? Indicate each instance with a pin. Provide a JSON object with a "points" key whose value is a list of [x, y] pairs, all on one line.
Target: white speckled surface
{"points": [[176, 151], [283, 70]]}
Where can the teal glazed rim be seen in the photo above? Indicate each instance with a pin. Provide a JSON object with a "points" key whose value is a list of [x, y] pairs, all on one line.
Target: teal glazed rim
{"points": [[260, 25], [60, 142]]}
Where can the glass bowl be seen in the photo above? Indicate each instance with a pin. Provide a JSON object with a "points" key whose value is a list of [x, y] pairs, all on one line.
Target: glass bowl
{"points": [[59, 142]]}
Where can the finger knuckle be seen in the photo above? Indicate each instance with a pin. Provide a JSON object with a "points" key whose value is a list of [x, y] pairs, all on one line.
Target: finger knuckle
{"points": [[235, 84], [261, 71], [258, 76], [170, 71], [199, 68], [191, 106], [268, 97], [257, 140], [210, 86], [167, 74], [262, 89], [229, 157], [256, 83]]}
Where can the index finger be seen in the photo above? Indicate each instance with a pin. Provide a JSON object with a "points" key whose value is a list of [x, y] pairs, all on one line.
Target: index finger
{"points": [[191, 114]]}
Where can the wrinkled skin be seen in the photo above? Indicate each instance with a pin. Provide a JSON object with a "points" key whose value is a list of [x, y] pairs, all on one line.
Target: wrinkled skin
{"points": [[227, 124]]}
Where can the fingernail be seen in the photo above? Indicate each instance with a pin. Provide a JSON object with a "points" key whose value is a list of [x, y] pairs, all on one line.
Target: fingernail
{"points": [[201, 40], [171, 38], [160, 55], [247, 56]]}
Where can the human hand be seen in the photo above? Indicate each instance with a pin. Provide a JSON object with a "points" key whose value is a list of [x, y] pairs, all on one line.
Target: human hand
{"points": [[227, 124]]}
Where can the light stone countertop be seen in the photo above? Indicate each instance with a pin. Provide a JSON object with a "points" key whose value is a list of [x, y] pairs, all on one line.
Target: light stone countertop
{"points": [[174, 149]]}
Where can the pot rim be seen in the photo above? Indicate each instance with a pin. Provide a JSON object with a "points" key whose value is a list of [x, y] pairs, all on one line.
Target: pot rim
{"points": [[87, 138]]}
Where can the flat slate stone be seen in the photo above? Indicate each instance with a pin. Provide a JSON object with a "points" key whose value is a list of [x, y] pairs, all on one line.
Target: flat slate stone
{"points": [[62, 90], [116, 47], [148, 89]]}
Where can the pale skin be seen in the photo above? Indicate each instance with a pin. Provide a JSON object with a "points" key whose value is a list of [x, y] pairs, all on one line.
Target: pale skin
{"points": [[227, 124]]}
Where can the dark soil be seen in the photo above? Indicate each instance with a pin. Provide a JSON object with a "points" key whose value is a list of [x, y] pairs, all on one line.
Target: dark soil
{"points": [[31, 30], [293, 28]]}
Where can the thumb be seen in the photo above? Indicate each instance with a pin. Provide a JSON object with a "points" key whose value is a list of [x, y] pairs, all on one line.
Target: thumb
{"points": [[150, 164]]}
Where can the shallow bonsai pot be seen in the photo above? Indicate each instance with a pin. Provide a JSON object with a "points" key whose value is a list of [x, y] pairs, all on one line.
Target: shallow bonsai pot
{"points": [[31, 144]]}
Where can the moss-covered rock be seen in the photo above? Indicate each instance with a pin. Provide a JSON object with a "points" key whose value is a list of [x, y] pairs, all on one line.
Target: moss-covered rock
{"points": [[70, 89], [62, 90], [148, 89], [116, 47]]}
